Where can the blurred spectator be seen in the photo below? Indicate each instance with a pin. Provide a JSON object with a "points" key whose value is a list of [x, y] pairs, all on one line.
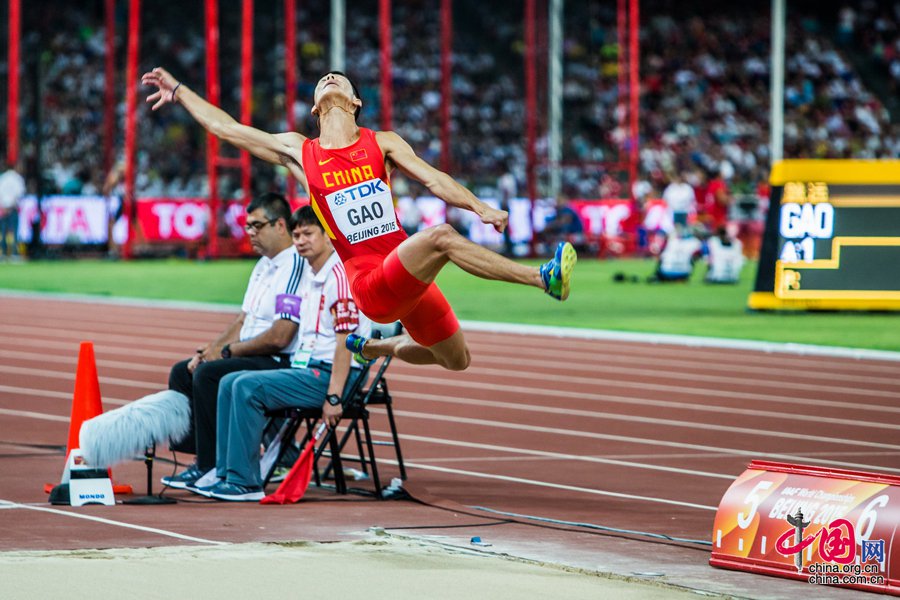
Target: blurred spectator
{"points": [[565, 226], [724, 258], [114, 190], [716, 202], [679, 198], [676, 262], [507, 189], [12, 188]]}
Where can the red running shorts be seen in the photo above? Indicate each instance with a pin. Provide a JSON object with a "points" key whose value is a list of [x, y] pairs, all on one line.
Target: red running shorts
{"points": [[386, 292]]}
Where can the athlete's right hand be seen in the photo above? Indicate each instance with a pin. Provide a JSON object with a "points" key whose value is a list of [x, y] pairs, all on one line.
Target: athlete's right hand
{"points": [[163, 80], [495, 217]]}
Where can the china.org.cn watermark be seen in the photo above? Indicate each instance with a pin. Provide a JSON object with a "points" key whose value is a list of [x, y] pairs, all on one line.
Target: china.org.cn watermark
{"points": [[840, 564]]}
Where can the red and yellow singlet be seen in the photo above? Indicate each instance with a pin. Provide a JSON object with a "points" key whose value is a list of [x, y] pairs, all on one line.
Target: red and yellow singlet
{"points": [[351, 195]]}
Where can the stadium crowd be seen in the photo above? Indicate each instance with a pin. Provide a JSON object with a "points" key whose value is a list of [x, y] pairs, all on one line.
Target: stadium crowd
{"points": [[704, 103]]}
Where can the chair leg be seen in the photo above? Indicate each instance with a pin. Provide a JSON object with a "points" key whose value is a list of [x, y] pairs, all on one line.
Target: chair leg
{"points": [[340, 483], [285, 434], [359, 448], [375, 478], [316, 452], [330, 466], [390, 415]]}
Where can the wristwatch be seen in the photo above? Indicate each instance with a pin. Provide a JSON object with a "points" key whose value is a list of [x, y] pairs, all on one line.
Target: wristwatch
{"points": [[333, 399], [226, 351]]}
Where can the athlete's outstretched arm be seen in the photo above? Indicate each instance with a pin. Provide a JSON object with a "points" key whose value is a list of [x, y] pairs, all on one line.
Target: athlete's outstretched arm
{"points": [[401, 154], [281, 148]]}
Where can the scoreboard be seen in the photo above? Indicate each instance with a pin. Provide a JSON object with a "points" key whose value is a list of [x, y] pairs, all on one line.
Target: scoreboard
{"points": [[832, 237]]}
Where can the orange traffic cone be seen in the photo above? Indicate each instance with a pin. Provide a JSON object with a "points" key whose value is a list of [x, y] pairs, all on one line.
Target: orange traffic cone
{"points": [[85, 404]]}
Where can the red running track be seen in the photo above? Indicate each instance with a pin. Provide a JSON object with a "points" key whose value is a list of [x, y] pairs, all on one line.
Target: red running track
{"points": [[632, 436]]}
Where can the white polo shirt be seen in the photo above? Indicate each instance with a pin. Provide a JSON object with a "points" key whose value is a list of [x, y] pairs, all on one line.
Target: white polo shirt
{"points": [[272, 294], [328, 308], [680, 197], [12, 188]]}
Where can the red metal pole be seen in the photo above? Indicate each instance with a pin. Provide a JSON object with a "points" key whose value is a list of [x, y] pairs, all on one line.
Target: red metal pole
{"points": [[212, 142], [131, 82], [109, 93], [12, 105], [622, 72], [290, 75], [634, 63], [387, 79], [530, 100], [246, 87], [446, 91]]}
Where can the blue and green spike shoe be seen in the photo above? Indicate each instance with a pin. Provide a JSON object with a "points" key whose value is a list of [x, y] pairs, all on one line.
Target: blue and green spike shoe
{"points": [[355, 344], [557, 272]]}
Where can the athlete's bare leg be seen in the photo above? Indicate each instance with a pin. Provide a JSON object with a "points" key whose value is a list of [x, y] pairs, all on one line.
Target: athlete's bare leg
{"points": [[425, 254], [452, 353]]}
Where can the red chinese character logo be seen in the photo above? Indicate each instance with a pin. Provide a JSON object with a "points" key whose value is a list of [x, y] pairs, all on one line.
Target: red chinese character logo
{"points": [[837, 542]]}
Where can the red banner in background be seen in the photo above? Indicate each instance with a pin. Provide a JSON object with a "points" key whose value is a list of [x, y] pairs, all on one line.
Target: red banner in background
{"points": [[185, 219], [603, 217], [168, 219], [611, 227]]}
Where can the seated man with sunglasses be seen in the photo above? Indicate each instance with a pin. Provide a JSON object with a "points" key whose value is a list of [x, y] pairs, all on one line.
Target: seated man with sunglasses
{"points": [[263, 336]]}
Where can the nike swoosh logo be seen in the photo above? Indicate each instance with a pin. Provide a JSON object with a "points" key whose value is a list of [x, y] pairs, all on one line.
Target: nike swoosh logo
{"points": [[327, 160]]}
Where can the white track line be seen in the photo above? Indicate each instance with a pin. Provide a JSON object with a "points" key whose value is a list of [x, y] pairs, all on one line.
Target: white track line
{"points": [[562, 456], [681, 340], [579, 349], [9, 504], [97, 320], [46, 373], [73, 361], [439, 380], [72, 349], [749, 453], [570, 379], [98, 337], [642, 402], [55, 395], [656, 369], [558, 486], [33, 415], [690, 358]]}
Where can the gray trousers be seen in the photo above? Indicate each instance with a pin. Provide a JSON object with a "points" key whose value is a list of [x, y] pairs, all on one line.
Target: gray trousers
{"points": [[244, 397]]}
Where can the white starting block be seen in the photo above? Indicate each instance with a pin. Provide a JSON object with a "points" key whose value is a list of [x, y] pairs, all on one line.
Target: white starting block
{"points": [[87, 484]]}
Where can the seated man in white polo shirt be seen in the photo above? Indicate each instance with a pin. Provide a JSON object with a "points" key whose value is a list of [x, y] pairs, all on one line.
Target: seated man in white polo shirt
{"points": [[263, 336], [321, 368]]}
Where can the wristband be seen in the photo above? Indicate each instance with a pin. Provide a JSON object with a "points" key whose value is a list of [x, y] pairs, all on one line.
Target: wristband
{"points": [[173, 99]]}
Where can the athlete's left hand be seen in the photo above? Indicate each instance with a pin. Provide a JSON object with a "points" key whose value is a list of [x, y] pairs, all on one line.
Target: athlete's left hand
{"points": [[495, 217], [163, 80]]}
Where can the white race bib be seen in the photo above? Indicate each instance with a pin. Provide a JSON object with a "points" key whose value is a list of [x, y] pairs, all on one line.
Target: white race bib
{"points": [[363, 211]]}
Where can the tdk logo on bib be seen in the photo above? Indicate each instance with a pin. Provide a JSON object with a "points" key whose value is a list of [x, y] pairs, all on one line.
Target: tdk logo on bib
{"points": [[364, 211], [358, 192]]}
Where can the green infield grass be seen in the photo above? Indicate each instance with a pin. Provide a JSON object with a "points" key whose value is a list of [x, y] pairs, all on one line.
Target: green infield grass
{"points": [[596, 301]]}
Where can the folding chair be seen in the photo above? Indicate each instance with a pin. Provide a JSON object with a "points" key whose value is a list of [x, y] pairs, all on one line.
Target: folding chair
{"points": [[357, 412], [356, 401], [290, 420]]}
